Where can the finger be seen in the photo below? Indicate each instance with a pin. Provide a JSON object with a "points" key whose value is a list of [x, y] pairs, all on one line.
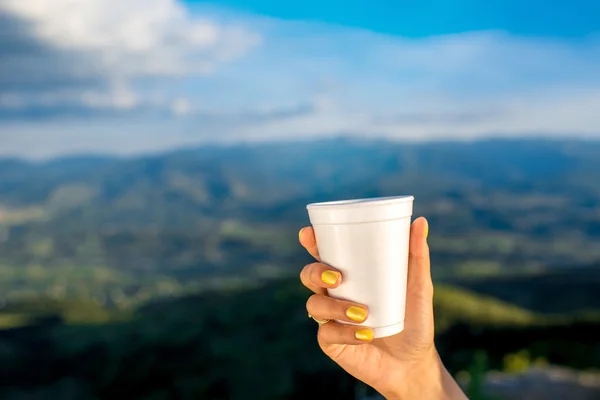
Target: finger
{"points": [[318, 277], [308, 241], [333, 333], [324, 307]]}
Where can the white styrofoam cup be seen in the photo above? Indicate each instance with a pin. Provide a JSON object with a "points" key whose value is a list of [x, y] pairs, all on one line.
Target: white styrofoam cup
{"points": [[367, 241]]}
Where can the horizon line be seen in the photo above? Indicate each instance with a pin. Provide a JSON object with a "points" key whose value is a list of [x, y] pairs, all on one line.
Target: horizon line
{"points": [[284, 142]]}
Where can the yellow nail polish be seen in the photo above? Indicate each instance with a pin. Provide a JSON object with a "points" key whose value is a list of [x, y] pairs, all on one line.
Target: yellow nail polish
{"points": [[427, 230], [330, 277], [364, 334], [357, 314], [300, 234]]}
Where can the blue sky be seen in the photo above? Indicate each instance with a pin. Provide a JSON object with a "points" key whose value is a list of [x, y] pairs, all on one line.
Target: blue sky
{"points": [[136, 76], [558, 18]]}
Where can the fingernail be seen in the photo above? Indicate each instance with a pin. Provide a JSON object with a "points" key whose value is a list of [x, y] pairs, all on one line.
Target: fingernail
{"points": [[364, 334], [357, 314], [300, 234], [427, 229], [330, 277]]}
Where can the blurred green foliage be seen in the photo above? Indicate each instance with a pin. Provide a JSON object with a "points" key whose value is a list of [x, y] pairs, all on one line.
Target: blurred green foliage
{"points": [[256, 343]]}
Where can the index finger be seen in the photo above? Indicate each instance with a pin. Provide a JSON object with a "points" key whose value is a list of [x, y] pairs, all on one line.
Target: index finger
{"points": [[308, 241]]}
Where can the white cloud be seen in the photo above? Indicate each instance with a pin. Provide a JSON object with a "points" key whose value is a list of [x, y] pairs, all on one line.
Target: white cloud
{"points": [[97, 50], [304, 80], [454, 86], [181, 106]]}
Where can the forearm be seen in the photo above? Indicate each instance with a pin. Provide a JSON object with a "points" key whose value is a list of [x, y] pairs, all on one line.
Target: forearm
{"points": [[427, 380]]}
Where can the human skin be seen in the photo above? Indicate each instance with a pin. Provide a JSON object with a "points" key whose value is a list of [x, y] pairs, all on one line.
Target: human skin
{"points": [[400, 367]]}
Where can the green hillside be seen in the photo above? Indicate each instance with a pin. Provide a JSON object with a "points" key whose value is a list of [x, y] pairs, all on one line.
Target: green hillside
{"points": [[453, 305], [226, 209]]}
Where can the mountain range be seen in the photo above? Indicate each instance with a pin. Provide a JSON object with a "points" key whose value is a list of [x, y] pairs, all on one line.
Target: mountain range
{"points": [[494, 206]]}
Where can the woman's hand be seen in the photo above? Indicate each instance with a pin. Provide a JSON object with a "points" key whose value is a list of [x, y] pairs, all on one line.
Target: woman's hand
{"points": [[403, 366]]}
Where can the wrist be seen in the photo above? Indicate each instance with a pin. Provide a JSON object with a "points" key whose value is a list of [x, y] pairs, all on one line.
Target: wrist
{"points": [[428, 378]]}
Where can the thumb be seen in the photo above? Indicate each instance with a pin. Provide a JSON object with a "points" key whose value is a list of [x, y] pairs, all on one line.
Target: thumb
{"points": [[419, 291], [419, 265]]}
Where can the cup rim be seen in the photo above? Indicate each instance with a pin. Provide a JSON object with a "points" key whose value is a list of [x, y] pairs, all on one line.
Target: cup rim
{"points": [[364, 202]]}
